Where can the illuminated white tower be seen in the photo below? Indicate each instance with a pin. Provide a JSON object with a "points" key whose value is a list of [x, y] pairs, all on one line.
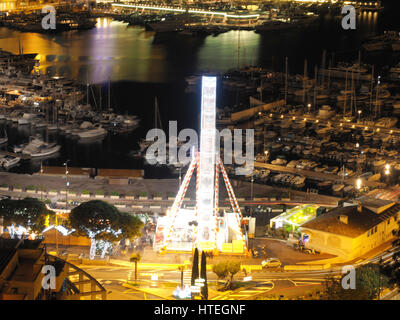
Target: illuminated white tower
{"points": [[206, 173]]}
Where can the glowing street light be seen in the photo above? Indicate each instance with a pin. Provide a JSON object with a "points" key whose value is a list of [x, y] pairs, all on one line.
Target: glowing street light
{"points": [[387, 169], [359, 115], [358, 184]]}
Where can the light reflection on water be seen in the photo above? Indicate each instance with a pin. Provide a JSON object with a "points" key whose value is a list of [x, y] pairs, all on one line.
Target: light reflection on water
{"points": [[113, 50]]}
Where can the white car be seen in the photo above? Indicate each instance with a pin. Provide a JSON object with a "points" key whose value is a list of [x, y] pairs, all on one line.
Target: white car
{"points": [[271, 263]]}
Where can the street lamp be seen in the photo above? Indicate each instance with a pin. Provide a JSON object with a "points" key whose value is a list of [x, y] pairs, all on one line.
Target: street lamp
{"points": [[359, 115], [358, 184], [387, 169], [66, 182], [41, 186], [251, 208], [309, 108]]}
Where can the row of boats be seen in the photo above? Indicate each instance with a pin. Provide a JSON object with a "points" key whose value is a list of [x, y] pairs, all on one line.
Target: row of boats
{"points": [[389, 41], [65, 21]]}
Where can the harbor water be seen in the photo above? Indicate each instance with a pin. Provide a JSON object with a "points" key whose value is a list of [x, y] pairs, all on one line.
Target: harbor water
{"points": [[140, 65]]}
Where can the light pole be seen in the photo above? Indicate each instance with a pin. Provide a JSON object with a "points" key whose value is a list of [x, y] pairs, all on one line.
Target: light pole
{"points": [[358, 184], [66, 182], [359, 115], [66, 200], [251, 208], [309, 108], [180, 176], [41, 185]]}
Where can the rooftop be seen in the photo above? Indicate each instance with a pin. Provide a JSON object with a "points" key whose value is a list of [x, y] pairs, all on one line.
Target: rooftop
{"points": [[358, 222]]}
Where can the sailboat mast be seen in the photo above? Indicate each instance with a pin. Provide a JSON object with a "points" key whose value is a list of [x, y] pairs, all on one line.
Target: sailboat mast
{"points": [[286, 79], [155, 113], [345, 96], [100, 98], [87, 87], [315, 85], [371, 92], [238, 62], [109, 94], [304, 81]]}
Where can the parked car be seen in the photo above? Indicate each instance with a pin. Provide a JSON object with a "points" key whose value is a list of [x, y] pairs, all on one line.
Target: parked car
{"points": [[310, 251], [271, 263]]}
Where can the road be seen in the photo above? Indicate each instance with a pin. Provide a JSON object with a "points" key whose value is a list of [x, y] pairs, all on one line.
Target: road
{"points": [[264, 283], [112, 278]]}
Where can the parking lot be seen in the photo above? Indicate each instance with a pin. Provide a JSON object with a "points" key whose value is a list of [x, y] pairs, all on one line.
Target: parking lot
{"points": [[287, 255]]}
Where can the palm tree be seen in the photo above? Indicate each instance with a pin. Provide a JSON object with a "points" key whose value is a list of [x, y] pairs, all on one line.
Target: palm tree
{"points": [[135, 257]]}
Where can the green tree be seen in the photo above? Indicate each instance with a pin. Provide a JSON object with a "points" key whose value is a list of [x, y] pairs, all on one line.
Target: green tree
{"points": [[195, 266], [226, 270], [203, 275], [221, 270], [135, 257], [29, 213], [369, 280], [391, 269], [100, 220], [233, 268]]}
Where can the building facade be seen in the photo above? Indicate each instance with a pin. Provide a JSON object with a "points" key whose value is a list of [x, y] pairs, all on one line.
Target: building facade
{"points": [[353, 230]]}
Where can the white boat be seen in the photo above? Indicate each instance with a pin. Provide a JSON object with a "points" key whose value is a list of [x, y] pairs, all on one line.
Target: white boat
{"points": [[26, 118], [337, 188], [325, 112], [8, 161], [97, 132], [386, 122], [39, 148], [298, 181], [19, 148], [343, 71], [5, 138]]}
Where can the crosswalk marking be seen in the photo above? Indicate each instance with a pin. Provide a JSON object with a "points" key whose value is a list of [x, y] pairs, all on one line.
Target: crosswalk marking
{"points": [[297, 283]]}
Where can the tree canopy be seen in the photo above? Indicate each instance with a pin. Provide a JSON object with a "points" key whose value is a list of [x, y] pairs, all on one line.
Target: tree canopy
{"points": [[392, 268], [369, 282], [28, 212], [100, 220], [226, 270]]}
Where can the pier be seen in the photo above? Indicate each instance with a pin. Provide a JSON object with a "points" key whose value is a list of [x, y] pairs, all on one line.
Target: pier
{"points": [[317, 176]]}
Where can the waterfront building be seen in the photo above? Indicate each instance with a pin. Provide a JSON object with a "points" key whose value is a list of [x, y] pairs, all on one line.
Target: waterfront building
{"points": [[354, 229]]}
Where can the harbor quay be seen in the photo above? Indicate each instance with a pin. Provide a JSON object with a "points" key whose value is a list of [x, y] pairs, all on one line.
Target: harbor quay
{"points": [[143, 195]]}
